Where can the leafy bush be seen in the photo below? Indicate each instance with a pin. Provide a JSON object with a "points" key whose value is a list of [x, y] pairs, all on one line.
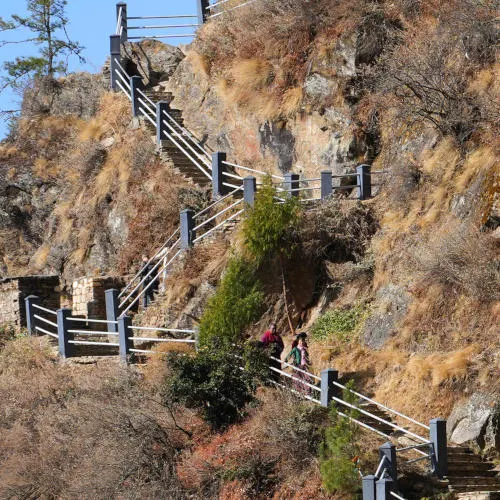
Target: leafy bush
{"points": [[237, 302], [339, 323], [339, 451], [268, 226], [212, 382]]}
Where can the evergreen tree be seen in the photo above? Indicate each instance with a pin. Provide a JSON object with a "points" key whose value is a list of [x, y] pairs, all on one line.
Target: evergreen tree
{"points": [[47, 22]]}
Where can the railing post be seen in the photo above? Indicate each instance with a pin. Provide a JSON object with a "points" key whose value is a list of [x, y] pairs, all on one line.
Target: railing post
{"points": [[123, 26], [384, 488], [197, 339], [187, 225], [161, 108], [124, 334], [328, 389], [369, 487], [65, 348], [364, 181], [115, 54], [203, 12], [135, 84], [388, 450], [30, 313], [112, 302], [218, 188], [440, 446], [249, 190], [291, 183], [326, 184]]}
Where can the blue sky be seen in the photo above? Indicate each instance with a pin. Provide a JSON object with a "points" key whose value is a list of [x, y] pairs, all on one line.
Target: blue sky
{"points": [[91, 23]]}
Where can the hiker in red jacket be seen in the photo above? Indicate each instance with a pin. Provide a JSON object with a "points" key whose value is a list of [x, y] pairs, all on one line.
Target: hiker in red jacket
{"points": [[272, 340]]}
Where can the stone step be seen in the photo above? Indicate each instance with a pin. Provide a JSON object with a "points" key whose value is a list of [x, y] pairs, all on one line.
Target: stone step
{"points": [[492, 480], [470, 472], [476, 487], [458, 464]]}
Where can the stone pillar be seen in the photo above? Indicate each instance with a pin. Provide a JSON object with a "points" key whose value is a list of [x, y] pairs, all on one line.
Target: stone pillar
{"points": [[115, 54], [388, 450], [364, 181], [291, 183], [124, 334], [440, 446], [123, 24], [328, 388], [135, 84], [112, 301], [369, 487], [65, 348], [30, 313], [162, 106], [187, 232], [218, 188], [326, 184], [249, 190], [203, 11], [384, 488]]}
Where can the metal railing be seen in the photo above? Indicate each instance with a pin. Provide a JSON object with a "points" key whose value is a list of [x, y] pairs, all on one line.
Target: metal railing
{"points": [[133, 338], [48, 324], [221, 8]]}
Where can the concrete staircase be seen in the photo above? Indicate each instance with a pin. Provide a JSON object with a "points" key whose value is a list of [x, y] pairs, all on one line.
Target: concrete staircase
{"points": [[469, 473], [169, 151]]}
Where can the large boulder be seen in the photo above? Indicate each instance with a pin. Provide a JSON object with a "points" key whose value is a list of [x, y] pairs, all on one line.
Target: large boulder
{"points": [[154, 61], [476, 422]]}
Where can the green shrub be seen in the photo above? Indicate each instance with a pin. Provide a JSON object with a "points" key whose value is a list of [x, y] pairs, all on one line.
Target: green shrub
{"points": [[268, 227], [237, 302], [339, 450], [340, 323], [212, 382]]}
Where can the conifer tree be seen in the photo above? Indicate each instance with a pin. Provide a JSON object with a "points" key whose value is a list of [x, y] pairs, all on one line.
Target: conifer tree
{"points": [[47, 24]]}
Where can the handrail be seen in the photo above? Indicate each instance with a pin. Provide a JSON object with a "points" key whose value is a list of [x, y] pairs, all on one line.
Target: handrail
{"points": [[124, 90], [382, 406], [150, 284], [40, 329], [152, 339], [295, 368], [235, 165], [162, 27], [155, 329], [193, 140], [190, 35], [170, 138], [161, 17], [307, 384], [233, 8], [218, 214], [146, 115], [85, 342], [216, 4], [149, 262], [206, 209], [395, 495], [380, 465], [305, 396], [36, 306], [91, 332], [51, 323], [140, 283], [87, 320], [218, 226], [182, 129], [371, 415], [119, 27]]}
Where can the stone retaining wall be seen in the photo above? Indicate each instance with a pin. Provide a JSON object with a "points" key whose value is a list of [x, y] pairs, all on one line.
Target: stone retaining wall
{"points": [[14, 290], [89, 298]]}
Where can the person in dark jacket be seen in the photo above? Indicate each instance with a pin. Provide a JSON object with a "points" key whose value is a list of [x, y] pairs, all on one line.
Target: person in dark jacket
{"points": [[149, 281], [272, 340]]}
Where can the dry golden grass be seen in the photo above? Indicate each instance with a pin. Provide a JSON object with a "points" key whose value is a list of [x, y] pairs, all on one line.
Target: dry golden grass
{"points": [[39, 258]]}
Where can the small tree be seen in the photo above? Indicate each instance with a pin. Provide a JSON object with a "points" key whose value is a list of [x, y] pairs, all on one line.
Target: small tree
{"points": [[269, 229], [213, 382], [237, 302], [47, 22], [339, 451]]}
